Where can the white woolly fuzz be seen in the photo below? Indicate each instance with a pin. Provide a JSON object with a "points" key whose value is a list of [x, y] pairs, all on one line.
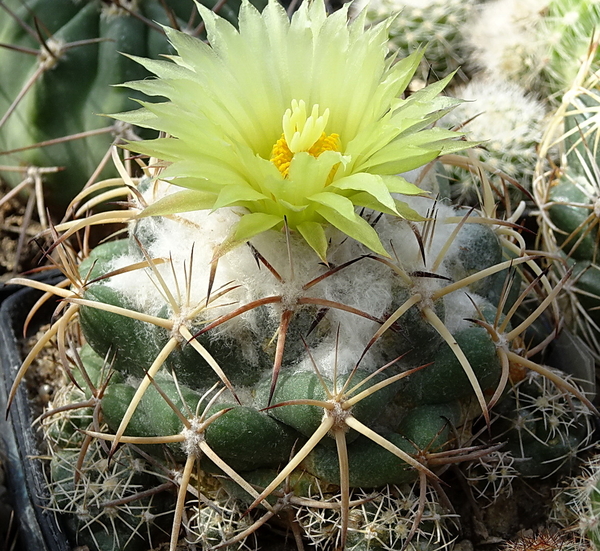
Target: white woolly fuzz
{"points": [[507, 112], [503, 39], [341, 360], [355, 290], [403, 241], [193, 438], [505, 117], [459, 307]]}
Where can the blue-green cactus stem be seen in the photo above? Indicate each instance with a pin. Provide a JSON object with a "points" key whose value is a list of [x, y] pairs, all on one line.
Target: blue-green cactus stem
{"points": [[369, 465], [248, 439], [307, 385], [427, 428], [570, 209], [243, 437], [478, 248], [78, 84], [445, 380]]}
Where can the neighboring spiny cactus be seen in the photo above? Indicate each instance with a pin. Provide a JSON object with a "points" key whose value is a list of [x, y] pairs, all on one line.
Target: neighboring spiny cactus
{"points": [[219, 521], [539, 44], [568, 200], [570, 27], [576, 507], [509, 123], [491, 476], [503, 40], [545, 541], [383, 520], [543, 428], [435, 25], [58, 69], [106, 505]]}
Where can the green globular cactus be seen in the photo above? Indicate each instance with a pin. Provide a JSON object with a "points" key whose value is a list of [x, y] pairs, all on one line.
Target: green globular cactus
{"points": [[382, 520], [539, 44], [435, 25], [109, 505], [544, 430], [287, 332], [504, 41], [577, 505], [517, 119], [569, 200], [58, 75], [270, 426], [491, 477], [570, 28]]}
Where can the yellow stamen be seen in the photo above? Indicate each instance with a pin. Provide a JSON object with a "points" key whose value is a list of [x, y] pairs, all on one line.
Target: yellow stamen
{"points": [[302, 133], [281, 156]]}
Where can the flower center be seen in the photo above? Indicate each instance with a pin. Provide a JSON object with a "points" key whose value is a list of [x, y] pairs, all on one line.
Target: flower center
{"points": [[302, 133]]}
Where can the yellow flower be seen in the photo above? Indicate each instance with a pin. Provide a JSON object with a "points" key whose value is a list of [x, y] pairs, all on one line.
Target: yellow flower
{"points": [[298, 121]]}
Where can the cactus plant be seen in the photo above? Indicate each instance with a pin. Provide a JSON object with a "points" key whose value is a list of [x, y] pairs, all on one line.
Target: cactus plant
{"points": [[544, 541], [504, 41], [539, 44], [67, 49], [570, 27], [576, 505], [541, 430], [568, 198], [289, 332], [436, 25], [517, 119]]}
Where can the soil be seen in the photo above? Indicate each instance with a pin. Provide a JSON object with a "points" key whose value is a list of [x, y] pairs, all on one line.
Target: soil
{"points": [[13, 231]]}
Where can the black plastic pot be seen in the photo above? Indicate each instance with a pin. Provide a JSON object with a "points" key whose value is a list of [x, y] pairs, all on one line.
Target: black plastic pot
{"points": [[37, 527]]}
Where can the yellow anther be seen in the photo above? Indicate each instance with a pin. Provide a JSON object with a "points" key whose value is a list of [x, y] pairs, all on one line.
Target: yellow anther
{"points": [[281, 156], [302, 133]]}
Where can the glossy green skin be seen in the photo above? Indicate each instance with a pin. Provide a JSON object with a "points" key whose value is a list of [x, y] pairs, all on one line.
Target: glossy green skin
{"points": [[418, 411], [307, 385], [69, 98], [248, 439], [586, 274], [243, 437], [445, 380], [568, 218], [370, 465]]}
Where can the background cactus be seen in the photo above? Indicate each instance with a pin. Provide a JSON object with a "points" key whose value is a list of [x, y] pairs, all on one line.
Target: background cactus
{"points": [[567, 199], [436, 25], [504, 40], [536, 43], [576, 505], [59, 67], [517, 119]]}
